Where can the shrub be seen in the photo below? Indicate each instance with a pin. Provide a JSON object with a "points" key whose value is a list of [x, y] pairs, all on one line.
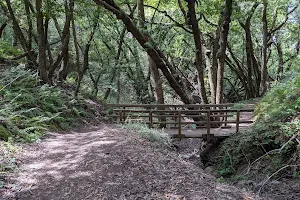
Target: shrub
{"points": [[278, 115], [29, 108]]}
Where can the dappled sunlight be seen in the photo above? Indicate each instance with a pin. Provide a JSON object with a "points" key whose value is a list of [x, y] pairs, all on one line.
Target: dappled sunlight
{"points": [[109, 164], [64, 157]]}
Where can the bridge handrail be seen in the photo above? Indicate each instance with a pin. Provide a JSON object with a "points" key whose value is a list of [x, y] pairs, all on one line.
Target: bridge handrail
{"points": [[170, 105], [187, 111], [198, 109]]}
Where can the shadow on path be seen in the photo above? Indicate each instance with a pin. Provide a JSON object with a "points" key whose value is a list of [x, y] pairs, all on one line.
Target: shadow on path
{"points": [[108, 163]]}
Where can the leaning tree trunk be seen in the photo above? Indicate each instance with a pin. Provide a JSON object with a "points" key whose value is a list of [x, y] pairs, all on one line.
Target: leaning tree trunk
{"points": [[159, 93], [2, 28], [145, 40]]}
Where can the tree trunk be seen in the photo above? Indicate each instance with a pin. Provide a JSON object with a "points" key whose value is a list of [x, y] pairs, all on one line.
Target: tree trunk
{"points": [[29, 21], [238, 69], [47, 42], [41, 41], [210, 71], [264, 70], [199, 58], [85, 66], [224, 30], [2, 28], [252, 64], [249, 61], [280, 61], [95, 84], [19, 34], [159, 93], [157, 56], [65, 38], [64, 70]]}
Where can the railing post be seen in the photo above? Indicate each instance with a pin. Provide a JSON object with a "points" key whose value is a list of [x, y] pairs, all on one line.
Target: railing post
{"points": [[208, 127], [179, 124], [150, 119], [226, 113], [237, 121], [121, 115], [175, 118], [162, 119]]}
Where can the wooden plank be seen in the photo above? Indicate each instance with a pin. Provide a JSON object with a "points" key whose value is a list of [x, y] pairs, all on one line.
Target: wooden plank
{"points": [[170, 105], [121, 115], [141, 116], [233, 122], [237, 126], [179, 124], [197, 136], [191, 116], [163, 116], [196, 123], [150, 120], [171, 116], [226, 118], [187, 111], [208, 127]]}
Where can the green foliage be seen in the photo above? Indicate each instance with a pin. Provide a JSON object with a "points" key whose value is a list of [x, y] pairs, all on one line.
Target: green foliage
{"points": [[277, 121], [282, 101], [28, 109], [7, 51], [7, 159]]}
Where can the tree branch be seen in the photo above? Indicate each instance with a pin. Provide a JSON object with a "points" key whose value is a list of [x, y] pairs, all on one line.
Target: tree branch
{"points": [[168, 16], [207, 21], [183, 11], [2, 28], [286, 18]]}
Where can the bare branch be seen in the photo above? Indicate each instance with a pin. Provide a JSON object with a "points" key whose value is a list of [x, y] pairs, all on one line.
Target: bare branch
{"points": [[282, 168], [207, 21], [286, 18], [168, 16]]}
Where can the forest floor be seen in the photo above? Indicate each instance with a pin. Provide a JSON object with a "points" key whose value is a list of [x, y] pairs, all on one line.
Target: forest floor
{"points": [[107, 162]]}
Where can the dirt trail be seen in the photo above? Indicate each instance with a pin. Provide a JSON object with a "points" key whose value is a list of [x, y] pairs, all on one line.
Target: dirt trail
{"points": [[107, 163]]}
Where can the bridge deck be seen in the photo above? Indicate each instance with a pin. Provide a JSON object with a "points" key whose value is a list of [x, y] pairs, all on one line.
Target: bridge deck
{"points": [[199, 133]]}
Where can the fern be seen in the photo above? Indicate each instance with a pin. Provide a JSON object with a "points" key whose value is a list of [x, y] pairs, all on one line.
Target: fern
{"points": [[29, 109]]}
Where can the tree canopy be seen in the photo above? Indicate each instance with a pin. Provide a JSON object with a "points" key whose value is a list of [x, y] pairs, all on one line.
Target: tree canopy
{"points": [[154, 51]]}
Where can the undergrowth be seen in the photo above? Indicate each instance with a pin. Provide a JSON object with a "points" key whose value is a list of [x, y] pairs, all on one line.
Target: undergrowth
{"points": [[7, 159], [273, 142], [152, 135], [29, 108]]}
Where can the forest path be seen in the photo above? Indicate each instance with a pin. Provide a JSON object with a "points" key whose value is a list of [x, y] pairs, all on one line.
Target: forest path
{"points": [[106, 163]]}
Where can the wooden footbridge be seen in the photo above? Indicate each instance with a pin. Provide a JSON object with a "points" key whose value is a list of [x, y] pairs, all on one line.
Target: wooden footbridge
{"points": [[186, 121]]}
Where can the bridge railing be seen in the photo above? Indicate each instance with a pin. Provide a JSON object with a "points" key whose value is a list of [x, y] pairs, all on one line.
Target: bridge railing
{"points": [[201, 115]]}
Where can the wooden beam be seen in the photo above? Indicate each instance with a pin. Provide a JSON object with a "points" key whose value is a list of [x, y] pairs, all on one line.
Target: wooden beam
{"points": [[237, 121], [208, 127]]}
